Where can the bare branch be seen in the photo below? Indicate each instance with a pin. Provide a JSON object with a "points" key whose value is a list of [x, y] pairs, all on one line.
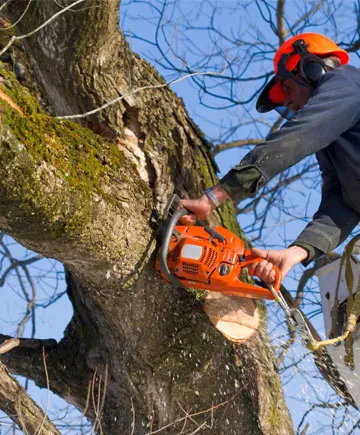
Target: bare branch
{"points": [[308, 14], [39, 431], [187, 415], [236, 144], [27, 343], [21, 408], [280, 12], [19, 19]]}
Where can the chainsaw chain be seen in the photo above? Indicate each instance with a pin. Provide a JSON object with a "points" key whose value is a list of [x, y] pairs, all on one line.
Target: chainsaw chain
{"points": [[295, 318]]}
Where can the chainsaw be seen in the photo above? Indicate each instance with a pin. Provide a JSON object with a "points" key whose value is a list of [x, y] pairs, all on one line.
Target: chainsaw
{"points": [[215, 259]]}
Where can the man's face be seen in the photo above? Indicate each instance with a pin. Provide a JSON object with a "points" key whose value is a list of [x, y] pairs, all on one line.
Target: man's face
{"points": [[296, 95]]}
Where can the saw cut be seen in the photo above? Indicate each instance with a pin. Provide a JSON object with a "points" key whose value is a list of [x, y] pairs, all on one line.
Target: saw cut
{"points": [[236, 318]]}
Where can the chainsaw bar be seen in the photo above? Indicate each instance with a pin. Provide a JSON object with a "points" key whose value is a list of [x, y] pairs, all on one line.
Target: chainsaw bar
{"points": [[301, 326], [295, 318]]}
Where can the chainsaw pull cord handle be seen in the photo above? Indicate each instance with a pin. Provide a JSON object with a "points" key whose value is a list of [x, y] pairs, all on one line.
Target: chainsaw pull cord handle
{"points": [[165, 246]]}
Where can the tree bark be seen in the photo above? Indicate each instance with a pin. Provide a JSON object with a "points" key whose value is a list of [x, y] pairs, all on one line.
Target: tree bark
{"points": [[84, 194]]}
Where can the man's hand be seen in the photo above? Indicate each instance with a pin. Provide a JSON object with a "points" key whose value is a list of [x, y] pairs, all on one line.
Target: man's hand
{"points": [[200, 208], [284, 260], [203, 206]]}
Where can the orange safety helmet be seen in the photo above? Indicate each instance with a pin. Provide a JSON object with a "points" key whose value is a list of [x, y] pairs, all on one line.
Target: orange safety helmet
{"points": [[308, 48]]}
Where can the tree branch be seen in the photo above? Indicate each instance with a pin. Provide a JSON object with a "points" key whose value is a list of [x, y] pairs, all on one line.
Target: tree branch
{"points": [[236, 144], [308, 14], [17, 404], [280, 23], [7, 343]]}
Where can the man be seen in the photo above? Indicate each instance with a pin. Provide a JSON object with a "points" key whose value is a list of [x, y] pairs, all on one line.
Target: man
{"points": [[312, 78]]}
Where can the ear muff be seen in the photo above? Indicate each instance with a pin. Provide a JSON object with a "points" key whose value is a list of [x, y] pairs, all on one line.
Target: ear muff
{"points": [[311, 68]]}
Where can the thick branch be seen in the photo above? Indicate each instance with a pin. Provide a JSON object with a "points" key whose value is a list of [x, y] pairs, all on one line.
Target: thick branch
{"points": [[53, 199], [17, 404], [8, 343]]}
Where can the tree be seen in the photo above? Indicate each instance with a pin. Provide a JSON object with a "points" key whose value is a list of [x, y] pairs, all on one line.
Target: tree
{"points": [[84, 193], [236, 41]]}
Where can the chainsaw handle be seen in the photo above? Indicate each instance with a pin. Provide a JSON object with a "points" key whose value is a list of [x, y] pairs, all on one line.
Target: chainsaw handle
{"points": [[166, 243], [250, 259], [214, 234]]}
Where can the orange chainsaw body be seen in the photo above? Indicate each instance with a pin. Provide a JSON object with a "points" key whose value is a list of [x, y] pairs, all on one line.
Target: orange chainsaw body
{"points": [[213, 259]]}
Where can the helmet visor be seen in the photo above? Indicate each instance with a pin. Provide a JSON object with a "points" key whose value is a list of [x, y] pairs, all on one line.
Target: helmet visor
{"points": [[271, 96]]}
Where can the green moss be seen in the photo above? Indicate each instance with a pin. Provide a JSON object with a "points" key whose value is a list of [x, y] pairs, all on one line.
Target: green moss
{"points": [[21, 96], [207, 172], [82, 162], [275, 417], [200, 295]]}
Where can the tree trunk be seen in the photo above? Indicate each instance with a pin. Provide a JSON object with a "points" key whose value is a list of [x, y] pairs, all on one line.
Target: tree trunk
{"points": [[84, 194]]}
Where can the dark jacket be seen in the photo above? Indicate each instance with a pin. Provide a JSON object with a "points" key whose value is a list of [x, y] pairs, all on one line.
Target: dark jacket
{"points": [[328, 125]]}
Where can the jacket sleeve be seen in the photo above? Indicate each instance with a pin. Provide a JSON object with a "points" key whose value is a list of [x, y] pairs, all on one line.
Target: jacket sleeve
{"points": [[332, 109], [333, 221]]}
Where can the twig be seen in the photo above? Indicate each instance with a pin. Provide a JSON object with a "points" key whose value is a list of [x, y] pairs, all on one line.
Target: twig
{"points": [[189, 415], [93, 400], [152, 413], [133, 92], [303, 432], [307, 15], [21, 17], [186, 416], [199, 428], [18, 38], [106, 379], [31, 302], [83, 414], [99, 400], [286, 346], [97, 411], [15, 263], [213, 407], [47, 394], [4, 5]]}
